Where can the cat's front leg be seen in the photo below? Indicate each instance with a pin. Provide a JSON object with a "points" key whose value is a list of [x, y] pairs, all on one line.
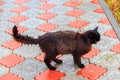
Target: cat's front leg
{"points": [[77, 60]]}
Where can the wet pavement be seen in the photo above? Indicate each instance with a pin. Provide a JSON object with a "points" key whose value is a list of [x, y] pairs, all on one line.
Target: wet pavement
{"points": [[37, 17]]}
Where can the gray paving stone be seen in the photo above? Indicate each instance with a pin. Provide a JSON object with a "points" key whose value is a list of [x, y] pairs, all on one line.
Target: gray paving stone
{"points": [[60, 9], [33, 3], [113, 74], [5, 25], [66, 28], [32, 23], [87, 7], [4, 52], [32, 13], [106, 43], [28, 51], [91, 17], [33, 33], [8, 6], [7, 15], [68, 65], [62, 20], [4, 37], [73, 76], [106, 59], [58, 2], [7, 0], [101, 28], [3, 70], [28, 69]]}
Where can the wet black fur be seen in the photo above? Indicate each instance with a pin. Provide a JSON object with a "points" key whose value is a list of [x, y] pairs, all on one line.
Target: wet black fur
{"points": [[62, 42]]}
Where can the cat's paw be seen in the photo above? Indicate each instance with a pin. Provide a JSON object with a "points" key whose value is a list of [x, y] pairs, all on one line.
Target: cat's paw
{"points": [[59, 61], [52, 68], [81, 66]]}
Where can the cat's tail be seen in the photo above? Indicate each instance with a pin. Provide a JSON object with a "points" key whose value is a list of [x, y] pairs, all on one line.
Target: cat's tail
{"points": [[23, 38]]}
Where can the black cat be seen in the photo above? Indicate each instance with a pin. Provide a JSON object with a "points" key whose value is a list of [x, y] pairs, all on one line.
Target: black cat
{"points": [[62, 42]]}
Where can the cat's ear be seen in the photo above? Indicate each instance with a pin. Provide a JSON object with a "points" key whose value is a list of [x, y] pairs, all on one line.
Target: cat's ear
{"points": [[96, 29]]}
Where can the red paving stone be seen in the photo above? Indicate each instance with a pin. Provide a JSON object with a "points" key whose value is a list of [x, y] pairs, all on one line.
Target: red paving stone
{"points": [[94, 1], [47, 27], [111, 33], [73, 3], [47, 16], [10, 76], [11, 60], [20, 29], [46, 6], [78, 23], [104, 21], [1, 10], [18, 19], [116, 48], [12, 44], [75, 13], [20, 9], [1, 3], [92, 53], [92, 72], [20, 1], [50, 75], [99, 10]]}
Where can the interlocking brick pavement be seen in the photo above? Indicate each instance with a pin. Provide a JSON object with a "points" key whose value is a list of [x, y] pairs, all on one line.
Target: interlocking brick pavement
{"points": [[36, 17]]}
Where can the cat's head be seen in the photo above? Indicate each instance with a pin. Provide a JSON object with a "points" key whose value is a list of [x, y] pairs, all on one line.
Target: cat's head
{"points": [[93, 35]]}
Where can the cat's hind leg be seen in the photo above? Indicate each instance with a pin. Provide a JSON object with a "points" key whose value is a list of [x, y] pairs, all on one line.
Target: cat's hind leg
{"points": [[47, 60]]}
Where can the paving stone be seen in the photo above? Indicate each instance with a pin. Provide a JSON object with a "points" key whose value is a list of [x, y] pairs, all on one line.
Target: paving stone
{"points": [[111, 33], [11, 60], [91, 16], [51, 73], [73, 76], [8, 6], [20, 1], [12, 44], [106, 59], [46, 16], [5, 25], [46, 6], [91, 69], [58, 2], [60, 9], [104, 21], [18, 19], [32, 23], [3, 70], [72, 3], [101, 28], [4, 52], [4, 37], [32, 12], [19, 9], [28, 69], [62, 20], [33, 3], [68, 64], [7, 15], [99, 10], [106, 43], [28, 51], [66, 28], [87, 7], [33, 33], [11, 76], [47, 27]]}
